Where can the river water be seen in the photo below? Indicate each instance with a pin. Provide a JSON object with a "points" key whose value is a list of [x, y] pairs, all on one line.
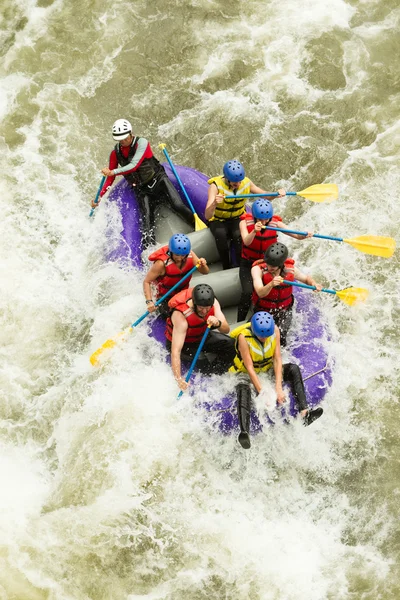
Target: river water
{"points": [[109, 490]]}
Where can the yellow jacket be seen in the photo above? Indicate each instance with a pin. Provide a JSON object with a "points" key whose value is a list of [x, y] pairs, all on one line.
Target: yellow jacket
{"points": [[262, 354], [232, 208]]}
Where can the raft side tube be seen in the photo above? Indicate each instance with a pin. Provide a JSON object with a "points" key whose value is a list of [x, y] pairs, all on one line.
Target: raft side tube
{"points": [[226, 285], [167, 224], [203, 244]]}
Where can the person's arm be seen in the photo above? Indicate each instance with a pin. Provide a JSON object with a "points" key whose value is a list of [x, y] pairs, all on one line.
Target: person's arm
{"points": [[263, 290], [277, 364], [113, 162], [299, 276], [254, 189], [247, 237], [248, 363], [157, 270], [178, 339], [203, 267], [282, 226], [214, 198], [218, 321], [109, 171]]}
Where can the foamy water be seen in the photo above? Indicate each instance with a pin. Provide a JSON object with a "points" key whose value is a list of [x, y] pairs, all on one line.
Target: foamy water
{"points": [[110, 489]]}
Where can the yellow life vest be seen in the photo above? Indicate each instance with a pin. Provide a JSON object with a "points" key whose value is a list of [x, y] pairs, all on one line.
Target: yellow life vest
{"points": [[261, 353], [230, 208]]}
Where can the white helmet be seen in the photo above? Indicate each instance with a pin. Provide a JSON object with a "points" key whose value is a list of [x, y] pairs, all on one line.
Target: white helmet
{"points": [[121, 129]]}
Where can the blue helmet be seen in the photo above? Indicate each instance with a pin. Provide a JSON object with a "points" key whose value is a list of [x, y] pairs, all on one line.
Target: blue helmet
{"points": [[262, 209], [262, 324], [179, 244], [234, 171]]}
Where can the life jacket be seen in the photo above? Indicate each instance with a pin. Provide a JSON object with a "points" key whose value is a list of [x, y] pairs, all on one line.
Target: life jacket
{"points": [[280, 296], [196, 325], [262, 353], [230, 208], [262, 240], [147, 170], [172, 272]]}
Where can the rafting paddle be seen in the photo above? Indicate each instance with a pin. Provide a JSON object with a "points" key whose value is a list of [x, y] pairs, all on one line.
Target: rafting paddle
{"points": [[316, 193], [349, 296], [196, 356], [110, 343], [96, 200], [197, 221], [369, 244]]}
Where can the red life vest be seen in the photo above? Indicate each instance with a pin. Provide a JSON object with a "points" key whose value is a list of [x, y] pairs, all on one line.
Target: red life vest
{"points": [[196, 325], [262, 240], [280, 296], [172, 273]]}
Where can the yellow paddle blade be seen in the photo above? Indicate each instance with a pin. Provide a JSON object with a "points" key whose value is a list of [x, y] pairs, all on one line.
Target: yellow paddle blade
{"points": [[97, 357], [198, 223], [320, 192], [352, 296], [374, 244]]}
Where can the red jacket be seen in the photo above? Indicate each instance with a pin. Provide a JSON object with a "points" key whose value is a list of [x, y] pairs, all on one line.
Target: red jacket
{"points": [[172, 273], [280, 296], [196, 325], [262, 240]]}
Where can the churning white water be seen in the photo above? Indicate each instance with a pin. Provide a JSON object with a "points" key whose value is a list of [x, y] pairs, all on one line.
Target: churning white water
{"points": [[110, 489]]}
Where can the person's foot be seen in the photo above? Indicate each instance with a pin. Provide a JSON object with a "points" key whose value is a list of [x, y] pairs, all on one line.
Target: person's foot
{"points": [[244, 440], [312, 415]]}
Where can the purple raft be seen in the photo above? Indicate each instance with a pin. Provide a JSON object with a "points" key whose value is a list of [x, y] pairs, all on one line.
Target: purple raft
{"points": [[308, 343]]}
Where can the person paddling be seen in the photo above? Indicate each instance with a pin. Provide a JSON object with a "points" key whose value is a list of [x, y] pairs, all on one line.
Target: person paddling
{"points": [[270, 293], [192, 311], [223, 213], [258, 348], [145, 174], [170, 263], [255, 241]]}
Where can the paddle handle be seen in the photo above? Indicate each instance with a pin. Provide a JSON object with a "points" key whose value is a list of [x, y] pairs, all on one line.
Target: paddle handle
{"points": [[308, 287], [96, 200], [196, 356], [316, 235], [188, 274], [165, 151]]}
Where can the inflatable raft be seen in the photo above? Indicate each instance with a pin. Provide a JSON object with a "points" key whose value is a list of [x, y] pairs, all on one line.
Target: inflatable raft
{"points": [[307, 343]]}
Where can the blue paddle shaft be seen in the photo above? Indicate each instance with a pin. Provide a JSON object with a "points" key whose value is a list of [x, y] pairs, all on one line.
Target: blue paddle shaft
{"points": [[140, 319], [96, 200], [178, 179], [317, 235], [196, 356], [274, 194], [308, 287]]}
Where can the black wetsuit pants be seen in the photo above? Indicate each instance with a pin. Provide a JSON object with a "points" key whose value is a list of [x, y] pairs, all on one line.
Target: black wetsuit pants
{"points": [[217, 354], [246, 281], [290, 374], [163, 310], [227, 233], [158, 190]]}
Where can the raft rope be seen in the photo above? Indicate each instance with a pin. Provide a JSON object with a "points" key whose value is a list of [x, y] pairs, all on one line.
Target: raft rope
{"points": [[317, 372]]}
